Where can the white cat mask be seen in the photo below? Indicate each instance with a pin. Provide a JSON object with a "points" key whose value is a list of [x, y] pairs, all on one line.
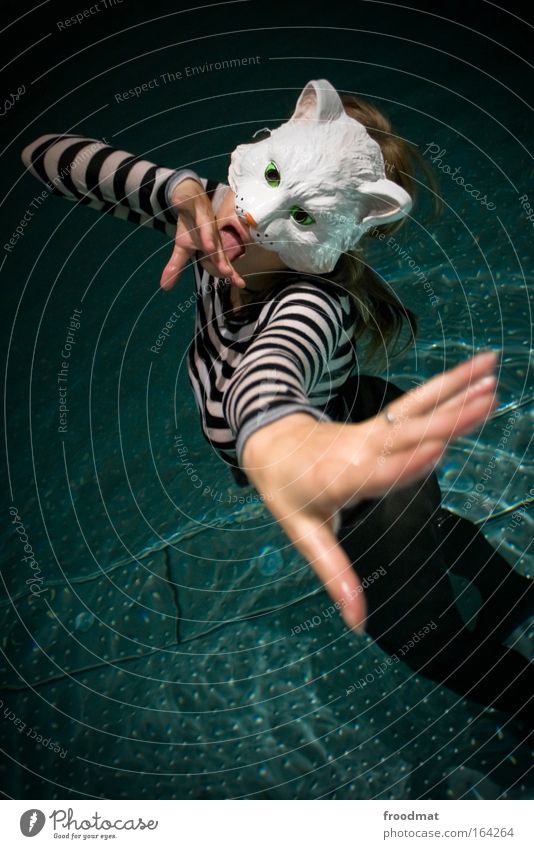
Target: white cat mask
{"points": [[314, 187]]}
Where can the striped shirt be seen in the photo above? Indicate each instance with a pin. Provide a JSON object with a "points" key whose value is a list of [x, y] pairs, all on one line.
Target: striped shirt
{"points": [[288, 353]]}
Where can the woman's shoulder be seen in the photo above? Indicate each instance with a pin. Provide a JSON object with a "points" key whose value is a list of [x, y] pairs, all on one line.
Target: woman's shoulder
{"points": [[300, 282], [322, 294]]}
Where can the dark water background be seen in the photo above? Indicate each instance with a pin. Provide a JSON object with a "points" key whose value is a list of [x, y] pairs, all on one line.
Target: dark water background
{"points": [[158, 655]]}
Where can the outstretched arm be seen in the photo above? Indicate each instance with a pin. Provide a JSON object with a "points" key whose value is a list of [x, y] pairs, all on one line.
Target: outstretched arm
{"points": [[92, 172], [95, 174], [307, 471]]}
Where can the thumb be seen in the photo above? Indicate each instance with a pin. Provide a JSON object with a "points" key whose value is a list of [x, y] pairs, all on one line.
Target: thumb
{"points": [[179, 259], [317, 542]]}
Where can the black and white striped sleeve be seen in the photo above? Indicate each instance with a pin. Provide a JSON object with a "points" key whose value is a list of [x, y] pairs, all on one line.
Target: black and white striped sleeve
{"points": [[96, 174], [288, 360]]}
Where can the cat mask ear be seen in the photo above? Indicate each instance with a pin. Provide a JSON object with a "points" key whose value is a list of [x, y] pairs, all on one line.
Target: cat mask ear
{"points": [[318, 101], [383, 202]]}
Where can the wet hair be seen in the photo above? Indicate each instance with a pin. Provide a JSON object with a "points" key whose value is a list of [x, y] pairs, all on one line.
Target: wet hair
{"points": [[381, 315]]}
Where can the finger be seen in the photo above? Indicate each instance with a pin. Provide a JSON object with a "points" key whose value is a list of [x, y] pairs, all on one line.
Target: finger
{"points": [[476, 414], [208, 239], [223, 263], [472, 412], [401, 463], [403, 468], [485, 385], [207, 234], [204, 235], [440, 388], [315, 539], [445, 423], [236, 277], [172, 271]]}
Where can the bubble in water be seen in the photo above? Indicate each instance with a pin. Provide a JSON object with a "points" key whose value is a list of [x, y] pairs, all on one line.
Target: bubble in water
{"points": [[453, 474], [84, 621], [269, 560]]}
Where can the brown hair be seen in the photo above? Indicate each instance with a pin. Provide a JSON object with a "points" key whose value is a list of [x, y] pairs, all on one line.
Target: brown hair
{"points": [[381, 314]]}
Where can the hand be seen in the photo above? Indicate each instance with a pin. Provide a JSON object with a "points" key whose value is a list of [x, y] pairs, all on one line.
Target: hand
{"points": [[196, 229], [314, 469]]}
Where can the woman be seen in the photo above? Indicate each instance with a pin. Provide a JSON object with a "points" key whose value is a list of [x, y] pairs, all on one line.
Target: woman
{"points": [[343, 461]]}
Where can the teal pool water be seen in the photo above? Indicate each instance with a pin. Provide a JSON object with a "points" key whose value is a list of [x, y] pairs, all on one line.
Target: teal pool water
{"points": [[151, 649]]}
